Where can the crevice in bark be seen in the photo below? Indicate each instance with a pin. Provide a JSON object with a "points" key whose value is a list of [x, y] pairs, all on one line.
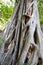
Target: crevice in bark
{"points": [[39, 61], [36, 38], [30, 51]]}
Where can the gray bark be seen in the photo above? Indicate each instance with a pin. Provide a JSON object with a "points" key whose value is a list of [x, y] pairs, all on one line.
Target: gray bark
{"points": [[23, 36]]}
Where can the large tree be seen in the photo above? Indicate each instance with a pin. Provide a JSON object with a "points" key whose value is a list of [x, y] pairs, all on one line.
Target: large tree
{"points": [[23, 37]]}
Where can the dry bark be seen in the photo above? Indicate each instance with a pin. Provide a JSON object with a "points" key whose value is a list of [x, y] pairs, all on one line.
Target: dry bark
{"points": [[23, 36]]}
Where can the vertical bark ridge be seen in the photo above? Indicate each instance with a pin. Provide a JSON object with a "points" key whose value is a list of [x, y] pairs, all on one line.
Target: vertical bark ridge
{"points": [[23, 38]]}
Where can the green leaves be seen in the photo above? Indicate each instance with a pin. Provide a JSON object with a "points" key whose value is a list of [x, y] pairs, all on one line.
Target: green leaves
{"points": [[40, 7], [17, 1], [5, 13], [25, 64]]}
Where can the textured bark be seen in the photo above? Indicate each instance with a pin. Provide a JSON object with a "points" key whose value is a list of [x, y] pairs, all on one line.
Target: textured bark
{"points": [[23, 36]]}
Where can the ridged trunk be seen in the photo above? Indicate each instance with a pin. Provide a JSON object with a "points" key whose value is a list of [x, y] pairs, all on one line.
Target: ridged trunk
{"points": [[23, 37]]}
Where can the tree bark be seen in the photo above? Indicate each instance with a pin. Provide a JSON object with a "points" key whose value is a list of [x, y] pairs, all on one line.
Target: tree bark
{"points": [[23, 36]]}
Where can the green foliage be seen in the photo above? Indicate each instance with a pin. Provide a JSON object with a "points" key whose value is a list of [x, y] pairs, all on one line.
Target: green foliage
{"points": [[40, 7], [25, 64], [41, 21], [16, 1], [5, 13]]}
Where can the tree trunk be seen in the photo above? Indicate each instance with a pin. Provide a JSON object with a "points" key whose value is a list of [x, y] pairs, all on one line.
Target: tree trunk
{"points": [[23, 37]]}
